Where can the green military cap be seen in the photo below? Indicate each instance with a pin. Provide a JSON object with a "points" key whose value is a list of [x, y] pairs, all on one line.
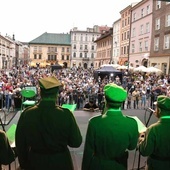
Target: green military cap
{"points": [[49, 84], [115, 93], [163, 102]]}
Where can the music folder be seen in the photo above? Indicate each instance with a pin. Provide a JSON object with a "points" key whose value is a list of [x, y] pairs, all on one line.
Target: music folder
{"points": [[71, 107], [141, 126]]}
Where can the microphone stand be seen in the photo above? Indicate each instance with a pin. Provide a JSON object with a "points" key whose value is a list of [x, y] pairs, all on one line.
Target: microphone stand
{"points": [[150, 115]]}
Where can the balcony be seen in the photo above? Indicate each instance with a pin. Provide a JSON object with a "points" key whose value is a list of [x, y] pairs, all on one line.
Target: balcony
{"points": [[85, 50], [85, 59]]}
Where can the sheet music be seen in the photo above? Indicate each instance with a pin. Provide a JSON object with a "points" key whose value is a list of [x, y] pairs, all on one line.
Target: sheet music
{"points": [[141, 126]]}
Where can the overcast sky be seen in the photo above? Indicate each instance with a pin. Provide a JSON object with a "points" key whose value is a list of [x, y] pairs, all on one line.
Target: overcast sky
{"points": [[28, 19]]}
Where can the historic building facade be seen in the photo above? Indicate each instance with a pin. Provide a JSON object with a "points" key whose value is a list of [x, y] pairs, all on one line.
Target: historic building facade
{"points": [[104, 49], [160, 44], [7, 52], [83, 50], [116, 42], [49, 49], [124, 35], [141, 30]]}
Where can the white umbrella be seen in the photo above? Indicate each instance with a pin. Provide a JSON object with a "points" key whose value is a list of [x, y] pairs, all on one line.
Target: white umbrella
{"points": [[113, 65], [122, 67], [140, 68], [153, 70]]}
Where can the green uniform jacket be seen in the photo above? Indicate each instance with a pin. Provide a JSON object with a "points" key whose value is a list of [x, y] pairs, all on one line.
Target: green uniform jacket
{"points": [[156, 145], [43, 135], [108, 137], [6, 153]]}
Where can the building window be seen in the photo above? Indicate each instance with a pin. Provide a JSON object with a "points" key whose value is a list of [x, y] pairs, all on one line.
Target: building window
{"points": [[68, 57], [74, 46], [125, 22], [55, 49], [128, 20], [63, 49], [35, 48], [133, 32], [48, 49], [134, 17], [35, 56], [142, 12], [92, 55], [86, 38], [167, 24], [156, 44], [124, 35], [148, 9], [122, 50], [167, 41], [125, 50], [40, 49], [128, 35], [39, 56], [157, 24], [147, 27], [117, 52], [74, 55], [81, 38], [74, 37], [133, 48], [85, 55], [141, 29], [85, 47], [62, 57], [146, 45], [158, 5], [68, 50], [122, 23], [81, 55], [92, 47], [81, 47], [140, 46]]}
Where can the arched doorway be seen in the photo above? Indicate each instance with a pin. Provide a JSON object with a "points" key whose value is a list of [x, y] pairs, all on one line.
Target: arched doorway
{"points": [[145, 62], [65, 65], [85, 65]]}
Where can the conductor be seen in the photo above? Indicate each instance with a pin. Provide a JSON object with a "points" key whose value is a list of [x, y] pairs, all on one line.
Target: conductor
{"points": [[45, 131], [110, 135]]}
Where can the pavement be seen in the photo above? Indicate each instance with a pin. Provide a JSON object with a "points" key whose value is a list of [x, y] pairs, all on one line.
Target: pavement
{"points": [[135, 161]]}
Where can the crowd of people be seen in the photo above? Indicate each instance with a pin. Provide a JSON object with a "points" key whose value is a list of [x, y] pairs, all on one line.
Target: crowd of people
{"points": [[79, 86], [42, 139]]}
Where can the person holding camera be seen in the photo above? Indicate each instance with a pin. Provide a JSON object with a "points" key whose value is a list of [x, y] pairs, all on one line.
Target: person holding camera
{"points": [[91, 106], [155, 143]]}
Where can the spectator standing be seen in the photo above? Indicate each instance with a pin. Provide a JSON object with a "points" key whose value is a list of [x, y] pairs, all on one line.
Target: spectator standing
{"points": [[136, 98]]}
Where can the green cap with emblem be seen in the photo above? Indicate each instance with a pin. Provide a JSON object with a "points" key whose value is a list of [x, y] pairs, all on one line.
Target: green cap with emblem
{"points": [[163, 102], [49, 84], [115, 93]]}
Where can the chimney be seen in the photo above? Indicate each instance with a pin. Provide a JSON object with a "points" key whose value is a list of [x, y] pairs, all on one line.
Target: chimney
{"points": [[13, 37]]}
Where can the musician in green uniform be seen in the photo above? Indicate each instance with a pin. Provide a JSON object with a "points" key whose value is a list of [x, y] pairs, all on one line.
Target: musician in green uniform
{"points": [[45, 131], [6, 153], [111, 135], [156, 141]]}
